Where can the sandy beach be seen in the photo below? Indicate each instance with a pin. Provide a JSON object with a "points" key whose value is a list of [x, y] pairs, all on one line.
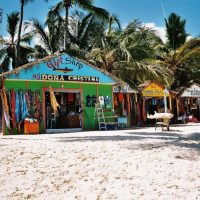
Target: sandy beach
{"points": [[138, 163]]}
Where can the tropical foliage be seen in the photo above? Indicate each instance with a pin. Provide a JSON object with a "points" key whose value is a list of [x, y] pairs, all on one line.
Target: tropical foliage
{"points": [[133, 53], [176, 33], [8, 50]]}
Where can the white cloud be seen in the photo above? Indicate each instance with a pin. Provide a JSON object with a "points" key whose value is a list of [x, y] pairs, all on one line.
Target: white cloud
{"points": [[160, 31], [188, 38]]}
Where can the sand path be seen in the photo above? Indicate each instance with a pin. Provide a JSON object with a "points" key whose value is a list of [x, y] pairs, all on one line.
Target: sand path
{"points": [[102, 165]]}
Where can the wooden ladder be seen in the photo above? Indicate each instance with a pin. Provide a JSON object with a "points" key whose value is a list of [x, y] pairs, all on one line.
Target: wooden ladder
{"points": [[99, 115]]}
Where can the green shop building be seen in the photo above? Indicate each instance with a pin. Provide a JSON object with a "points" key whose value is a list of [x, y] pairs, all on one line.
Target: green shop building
{"points": [[70, 84]]}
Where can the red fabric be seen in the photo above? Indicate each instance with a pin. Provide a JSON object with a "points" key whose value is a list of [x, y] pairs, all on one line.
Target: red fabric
{"points": [[121, 97], [70, 97]]}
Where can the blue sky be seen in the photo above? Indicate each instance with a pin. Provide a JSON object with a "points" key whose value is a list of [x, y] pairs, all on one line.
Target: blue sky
{"points": [[147, 11]]}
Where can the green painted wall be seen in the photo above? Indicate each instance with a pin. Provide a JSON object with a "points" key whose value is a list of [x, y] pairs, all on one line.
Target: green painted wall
{"points": [[87, 89]]}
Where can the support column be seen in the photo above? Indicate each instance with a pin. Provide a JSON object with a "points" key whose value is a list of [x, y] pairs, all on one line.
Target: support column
{"points": [[170, 103], [177, 106]]}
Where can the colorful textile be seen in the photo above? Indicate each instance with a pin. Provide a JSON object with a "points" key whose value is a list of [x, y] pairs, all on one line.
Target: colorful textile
{"points": [[17, 107], [70, 97], [24, 107], [54, 103], [5, 108], [121, 97]]}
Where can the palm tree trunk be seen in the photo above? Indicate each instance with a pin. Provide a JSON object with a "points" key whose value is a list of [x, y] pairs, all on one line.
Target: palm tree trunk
{"points": [[66, 44], [19, 32]]}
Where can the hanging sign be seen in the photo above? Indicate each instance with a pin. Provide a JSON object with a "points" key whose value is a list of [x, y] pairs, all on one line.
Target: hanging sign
{"points": [[193, 91], [123, 88], [153, 90], [51, 77], [62, 68]]}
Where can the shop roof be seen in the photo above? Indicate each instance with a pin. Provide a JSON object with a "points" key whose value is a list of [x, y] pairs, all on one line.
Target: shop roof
{"points": [[35, 64], [142, 87], [191, 90]]}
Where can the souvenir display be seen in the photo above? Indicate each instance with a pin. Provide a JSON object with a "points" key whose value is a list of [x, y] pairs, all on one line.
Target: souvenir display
{"points": [[19, 105], [88, 101], [5, 108], [54, 103]]}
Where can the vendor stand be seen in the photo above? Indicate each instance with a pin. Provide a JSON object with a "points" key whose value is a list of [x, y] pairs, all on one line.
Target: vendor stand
{"points": [[152, 99], [189, 103], [125, 100], [57, 93]]}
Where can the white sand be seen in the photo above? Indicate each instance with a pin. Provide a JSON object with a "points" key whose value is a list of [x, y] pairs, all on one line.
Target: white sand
{"points": [[123, 164]]}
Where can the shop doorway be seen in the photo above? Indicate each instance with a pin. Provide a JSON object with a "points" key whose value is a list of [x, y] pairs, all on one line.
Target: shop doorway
{"points": [[69, 117]]}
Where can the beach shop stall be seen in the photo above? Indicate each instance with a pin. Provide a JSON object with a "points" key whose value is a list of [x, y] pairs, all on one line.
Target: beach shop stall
{"points": [[152, 99], [189, 103], [54, 94], [125, 100]]}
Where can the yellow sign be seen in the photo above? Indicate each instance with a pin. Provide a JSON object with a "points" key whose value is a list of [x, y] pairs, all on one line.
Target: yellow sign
{"points": [[153, 90]]}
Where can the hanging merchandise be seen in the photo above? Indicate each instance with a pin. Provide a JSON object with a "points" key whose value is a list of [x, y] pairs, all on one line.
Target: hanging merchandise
{"points": [[107, 102], [21, 106], [17, 107], [101, 100], [115, 101], [13, 108], [62, 99], [54, 103], [25, 107], [5, 107], [88, 101], [121, 97], [94, 100], [70, 97], [37, 106], [27, 102]]}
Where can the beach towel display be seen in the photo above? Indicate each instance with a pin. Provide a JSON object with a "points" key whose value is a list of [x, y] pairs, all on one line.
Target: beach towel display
{"points": [[5, 108]]}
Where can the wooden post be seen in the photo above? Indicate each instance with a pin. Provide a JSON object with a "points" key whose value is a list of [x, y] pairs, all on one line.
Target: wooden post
{"points": [[177, 106], [170, 103]]}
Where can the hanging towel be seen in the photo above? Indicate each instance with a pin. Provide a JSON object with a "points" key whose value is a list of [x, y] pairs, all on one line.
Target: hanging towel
{"points": [[5, 107], [25, 107], [54, 103], [17, 107]]}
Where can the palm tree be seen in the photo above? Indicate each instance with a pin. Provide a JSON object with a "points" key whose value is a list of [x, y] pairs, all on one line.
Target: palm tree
{"points": [[22, 4], [176, 33], [86, 5], [129, 53], [7, 52], [183, 62], [50, 37]]}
